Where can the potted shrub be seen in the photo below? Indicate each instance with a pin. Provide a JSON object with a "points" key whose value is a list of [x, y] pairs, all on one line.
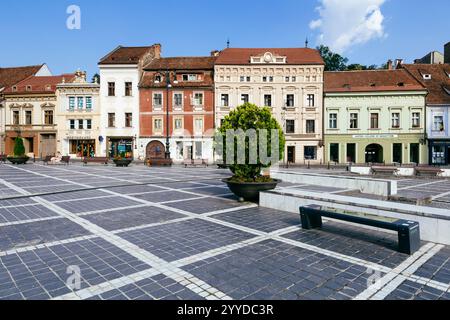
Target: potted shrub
{"points": [[122, 160], [248, 181], [19, 156]]}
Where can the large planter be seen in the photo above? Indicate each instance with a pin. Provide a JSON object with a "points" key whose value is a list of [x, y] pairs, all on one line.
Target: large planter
{"points": [[122, 162], [249, 191], [18, 160]]}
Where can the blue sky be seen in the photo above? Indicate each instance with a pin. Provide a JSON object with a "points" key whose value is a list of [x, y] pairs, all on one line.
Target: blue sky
{"points": [[35, 31]]}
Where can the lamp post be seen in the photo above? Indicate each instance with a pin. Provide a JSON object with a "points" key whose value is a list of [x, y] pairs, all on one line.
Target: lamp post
{"points": [[168, 86]]}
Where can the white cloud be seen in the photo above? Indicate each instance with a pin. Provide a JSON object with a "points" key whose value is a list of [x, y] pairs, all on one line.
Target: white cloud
{"points": [[344, 23]]}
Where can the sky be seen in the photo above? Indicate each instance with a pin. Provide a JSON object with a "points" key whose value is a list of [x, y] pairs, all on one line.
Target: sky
{"points": [[365, 31]]}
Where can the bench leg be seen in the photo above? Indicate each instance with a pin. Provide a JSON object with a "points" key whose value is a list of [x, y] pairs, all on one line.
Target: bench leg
{"points": [[409, 239], [310, 221]]}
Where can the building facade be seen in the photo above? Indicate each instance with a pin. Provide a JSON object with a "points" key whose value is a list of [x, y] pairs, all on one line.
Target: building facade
{"points": [[31, 114], [188, 93], [78, 117], [120, 72], [436, 78], [289, 81], [374, 117], [10, 77]]}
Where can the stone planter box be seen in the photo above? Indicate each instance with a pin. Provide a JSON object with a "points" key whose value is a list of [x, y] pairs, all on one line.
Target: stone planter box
{"points": [[122, 162], [249, 191], [18, 160]]}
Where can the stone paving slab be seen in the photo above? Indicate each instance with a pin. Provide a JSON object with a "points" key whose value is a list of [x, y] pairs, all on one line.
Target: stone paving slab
{"points": [[80, 206], [201, 206]]}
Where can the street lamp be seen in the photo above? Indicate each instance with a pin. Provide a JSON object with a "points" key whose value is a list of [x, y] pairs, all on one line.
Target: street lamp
{"points": [[168, 87]]}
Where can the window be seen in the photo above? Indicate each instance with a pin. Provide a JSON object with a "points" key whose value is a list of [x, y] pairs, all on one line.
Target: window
{"points": [[80, 103], [333, 121], [89, 124], [353, 121], [71, 103], [438, 155], [198, 125], [224, 98], [128, 120], [28, 119], [157, 125], [294, 79], [111, 120], [438, 123], [198, 149], [287, 79], [157, 100], [310, 98], [416, 120], [264, 79], [178, 100], [334, 152], [111, 89], [248, 79], [190, 77], [244, 98], [16, 118], [48, 117], [310, 126], [245, 79], [198, 99], [290, 126], [396, 120], [178, 124], [310, 153], [80, 124], [89, 103], [351, 152], [242, 78], [72, 124], [268, 100], [128, 89], [290, 100], [158, 78], [414, 153], [270, 79], [374, 121]]}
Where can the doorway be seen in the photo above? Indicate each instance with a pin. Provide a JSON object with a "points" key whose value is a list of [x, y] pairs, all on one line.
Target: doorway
{"points": [[374, 153], [48, 145], [291, 154], [351, 153], [156, 150], [414, 153]]}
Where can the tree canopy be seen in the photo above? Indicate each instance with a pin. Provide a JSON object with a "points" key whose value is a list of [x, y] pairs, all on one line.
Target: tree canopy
{"points": [[336, 62]]}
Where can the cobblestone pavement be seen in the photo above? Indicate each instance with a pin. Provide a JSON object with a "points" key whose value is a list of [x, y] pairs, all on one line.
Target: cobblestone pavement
{"points": [[175, 233]]}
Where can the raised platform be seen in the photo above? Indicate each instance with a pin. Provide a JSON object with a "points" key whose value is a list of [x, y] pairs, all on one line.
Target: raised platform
{"points": [[434, 222]]}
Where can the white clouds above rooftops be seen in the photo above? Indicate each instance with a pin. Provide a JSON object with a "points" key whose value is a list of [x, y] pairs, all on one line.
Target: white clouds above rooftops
{"points": [[344, 23]]}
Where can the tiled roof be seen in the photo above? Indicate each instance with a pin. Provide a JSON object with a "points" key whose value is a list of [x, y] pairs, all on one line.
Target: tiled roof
{"points": [[126, 55], [295, 56], [148, 81], [439, 84], [370, 81], [182, 63], [11, 76], [36, 85]]}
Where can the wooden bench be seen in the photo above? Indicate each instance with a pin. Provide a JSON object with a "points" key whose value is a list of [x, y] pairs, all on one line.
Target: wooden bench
{"points": [[101, 160], [48, 160], [427, 171], [384, 170], [159, 162], [408, 231], [195, 163]]}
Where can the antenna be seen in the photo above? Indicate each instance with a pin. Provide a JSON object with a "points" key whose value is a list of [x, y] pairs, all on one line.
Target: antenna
{"points": [[228, 43], [306, 42]]}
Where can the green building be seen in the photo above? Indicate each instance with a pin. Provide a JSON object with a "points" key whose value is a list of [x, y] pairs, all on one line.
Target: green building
{"points": [[374, 117]]}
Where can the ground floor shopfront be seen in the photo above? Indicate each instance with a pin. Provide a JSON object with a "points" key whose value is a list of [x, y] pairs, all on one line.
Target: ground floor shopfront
{"points": [[37, 144], [303, 152], [80, 147], [181, 149], [119, 146], [381, 148], [439, 152]]}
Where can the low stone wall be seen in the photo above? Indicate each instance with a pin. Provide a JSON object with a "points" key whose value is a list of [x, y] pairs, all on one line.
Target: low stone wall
{"points": [[402, 172], [377, 187], [434, 223]]}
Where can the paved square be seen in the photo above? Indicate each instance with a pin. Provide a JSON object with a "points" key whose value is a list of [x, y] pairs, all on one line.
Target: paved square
{"points": [[178, 234]]}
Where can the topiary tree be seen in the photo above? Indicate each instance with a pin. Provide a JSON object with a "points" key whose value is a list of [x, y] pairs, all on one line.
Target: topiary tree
{"points": [[256, 126], [19, 149]]}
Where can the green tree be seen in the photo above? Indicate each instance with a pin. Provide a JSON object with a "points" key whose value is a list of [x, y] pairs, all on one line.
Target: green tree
{"points": [[96, 78], [333, 61], [19, 149], [247, 117], [357, 66]]}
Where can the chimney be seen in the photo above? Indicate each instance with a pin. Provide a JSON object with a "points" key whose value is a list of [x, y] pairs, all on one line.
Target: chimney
{"points": [[398, 63], [390, 65], [157, 47], [447, 53], [215, 53]]}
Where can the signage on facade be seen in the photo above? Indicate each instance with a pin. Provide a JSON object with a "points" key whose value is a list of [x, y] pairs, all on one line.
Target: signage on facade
{"points": [[375, 136], [79, 138]]}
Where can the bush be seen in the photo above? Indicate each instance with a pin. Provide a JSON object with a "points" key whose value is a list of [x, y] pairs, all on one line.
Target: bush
{"points": [[19, 149], [246, 117]]}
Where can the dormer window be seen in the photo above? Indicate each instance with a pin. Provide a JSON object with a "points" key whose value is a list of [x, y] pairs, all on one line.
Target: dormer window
{"points": [[48, 88], [158, 78], [426, 76], [268, 57], [190, 77], [372, 85], [401, 84], [28, 88], [14, 88]]}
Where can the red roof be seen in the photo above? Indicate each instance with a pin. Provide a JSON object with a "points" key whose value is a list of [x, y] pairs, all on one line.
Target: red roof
{"points": [[182, 63], [439, 84], [295, 56], [370, 81], [126, 55], [11, 76], [35, 85]]}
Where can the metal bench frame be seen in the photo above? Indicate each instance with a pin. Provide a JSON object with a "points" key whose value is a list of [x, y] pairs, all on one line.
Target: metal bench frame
{"points": [[408, 231]]}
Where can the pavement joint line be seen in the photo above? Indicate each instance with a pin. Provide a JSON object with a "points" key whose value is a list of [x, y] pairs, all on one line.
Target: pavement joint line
{"points": [[442, 195], [134, 250], [16, 223], [396, 276], [419, 185]]}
